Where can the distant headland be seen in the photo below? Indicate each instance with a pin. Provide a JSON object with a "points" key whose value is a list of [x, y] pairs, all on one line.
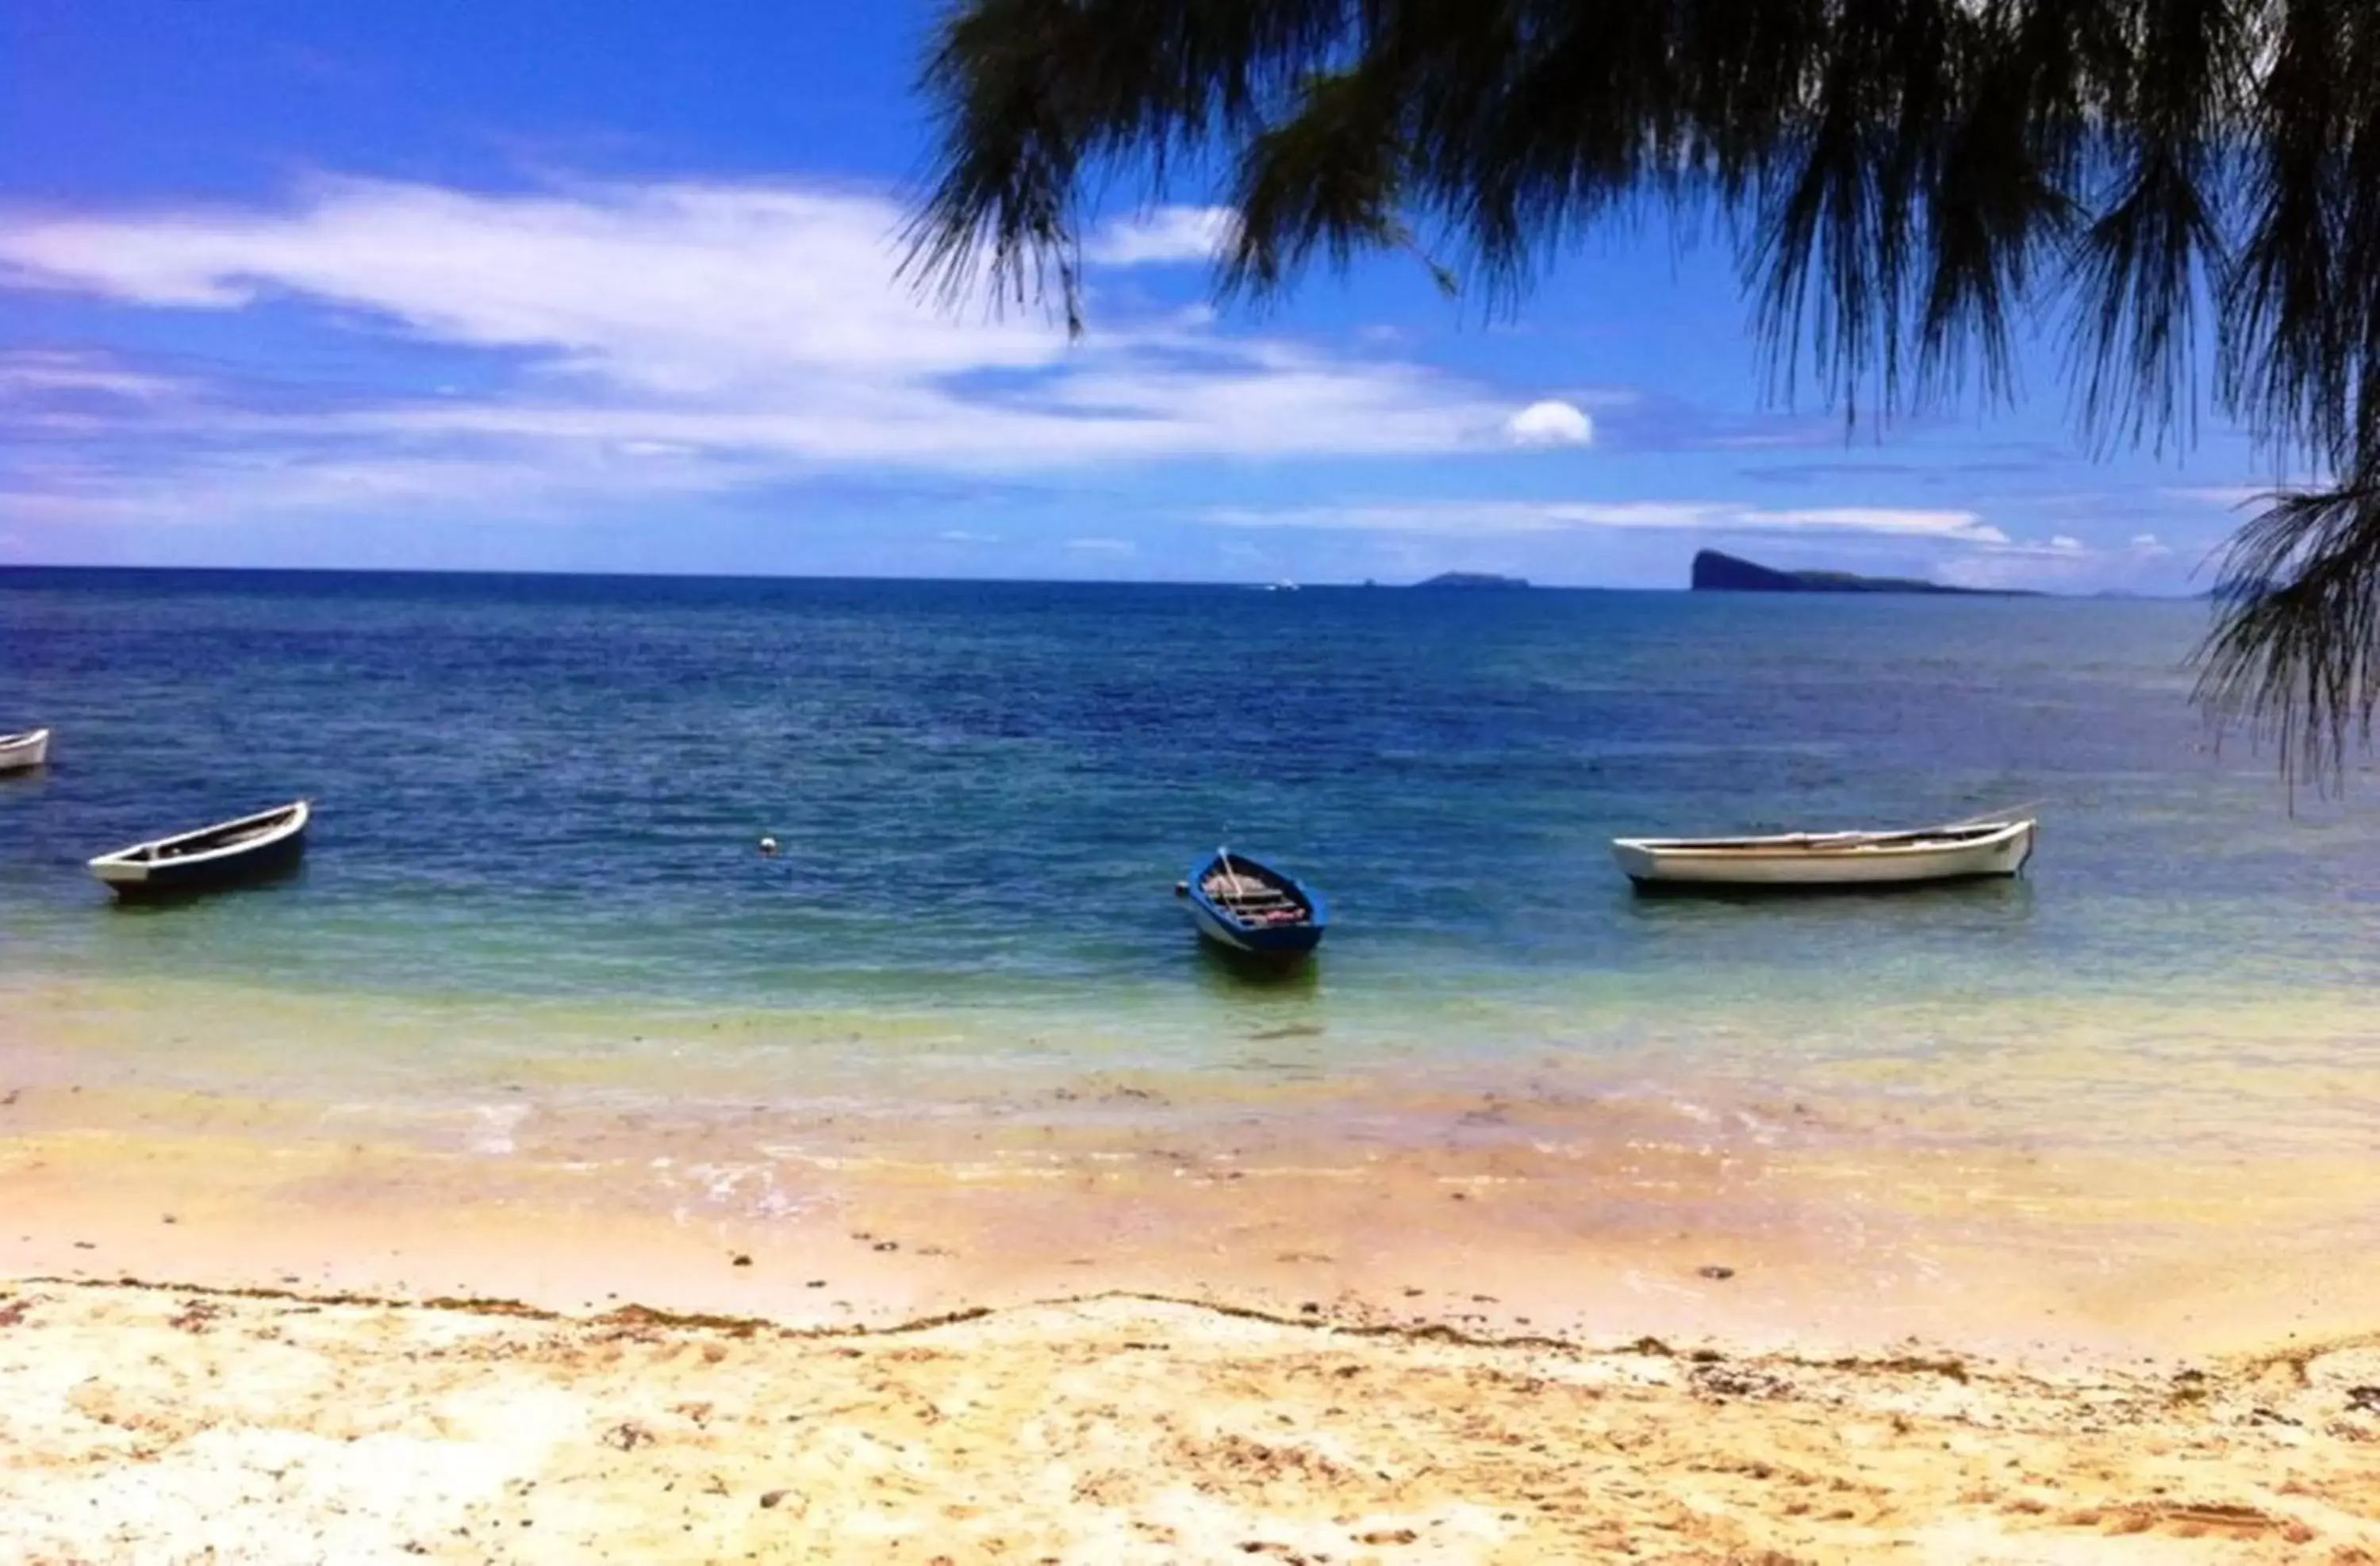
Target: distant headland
{"points": [[1472, 579], [1718, 573]]}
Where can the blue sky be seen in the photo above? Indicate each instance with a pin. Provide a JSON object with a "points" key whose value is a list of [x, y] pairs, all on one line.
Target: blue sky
{"points": [[607, 285]]}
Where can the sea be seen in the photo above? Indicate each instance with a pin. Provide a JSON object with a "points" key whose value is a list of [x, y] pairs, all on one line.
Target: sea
{"points": [[534, 867]]}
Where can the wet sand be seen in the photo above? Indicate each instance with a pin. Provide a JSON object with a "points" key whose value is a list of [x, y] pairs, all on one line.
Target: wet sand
{"points": [[1598, 1217]]}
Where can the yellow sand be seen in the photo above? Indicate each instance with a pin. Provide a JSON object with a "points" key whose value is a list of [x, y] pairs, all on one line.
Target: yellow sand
{"points": [[1284, 1330], [161, 1424]]}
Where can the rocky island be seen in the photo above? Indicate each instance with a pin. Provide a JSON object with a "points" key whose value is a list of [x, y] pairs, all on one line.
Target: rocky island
{"points": [[1718, 572]]}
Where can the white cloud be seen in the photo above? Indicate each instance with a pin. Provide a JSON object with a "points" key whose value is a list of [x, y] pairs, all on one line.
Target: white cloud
{"points": [[663, 287], [961, 535], [2227, 495], [1166, 234], [621, 340], [1550, 423], [51, 508], [1101, 546], [2021, 568], [1460, 517], [2062, 563], [34, 372]]}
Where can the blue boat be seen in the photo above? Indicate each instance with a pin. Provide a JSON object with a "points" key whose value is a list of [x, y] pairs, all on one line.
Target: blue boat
{"points": [[1243, 906]]}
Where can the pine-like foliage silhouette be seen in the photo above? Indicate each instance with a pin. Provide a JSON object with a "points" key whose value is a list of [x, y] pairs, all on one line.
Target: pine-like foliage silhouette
{"points": [[2190, 189]]}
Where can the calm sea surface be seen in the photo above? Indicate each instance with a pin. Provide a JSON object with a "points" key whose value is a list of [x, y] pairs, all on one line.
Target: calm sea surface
{"points": [[539, 800]]}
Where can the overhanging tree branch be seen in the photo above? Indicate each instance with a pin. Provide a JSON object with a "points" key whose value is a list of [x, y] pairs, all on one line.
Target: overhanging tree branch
{"points": [[1912, 180]]}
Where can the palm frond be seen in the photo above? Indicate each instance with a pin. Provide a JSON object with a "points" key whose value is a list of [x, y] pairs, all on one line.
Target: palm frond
{"points": [[1031, 98], [1005, 201], [1331, 177], [2284, 358], [2294, 659], [2156, 247]]}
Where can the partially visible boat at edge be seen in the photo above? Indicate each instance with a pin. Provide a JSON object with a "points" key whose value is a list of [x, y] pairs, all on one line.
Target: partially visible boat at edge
{"points": [[233, 853], [1967, 851], [23, 752], [1244, 904]]}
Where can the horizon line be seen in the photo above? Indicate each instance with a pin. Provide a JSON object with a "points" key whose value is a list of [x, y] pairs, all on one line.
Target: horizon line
{"points": [[10, 568]]}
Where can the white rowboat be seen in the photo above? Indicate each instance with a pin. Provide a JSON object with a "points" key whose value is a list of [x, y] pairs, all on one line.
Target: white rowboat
{"points": [[252, 848], [1828, 860], [21, 752]]}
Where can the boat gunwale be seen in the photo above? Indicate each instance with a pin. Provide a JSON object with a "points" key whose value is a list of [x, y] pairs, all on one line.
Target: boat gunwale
{"points": [[1906, 845]]}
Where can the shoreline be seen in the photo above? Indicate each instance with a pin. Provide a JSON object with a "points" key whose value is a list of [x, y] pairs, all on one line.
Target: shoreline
{"points": [[1595, 1216], [1124, 1428], [1550, 1310]]}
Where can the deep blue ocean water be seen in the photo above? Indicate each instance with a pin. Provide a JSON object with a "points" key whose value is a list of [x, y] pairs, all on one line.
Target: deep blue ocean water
{"points": [[550, 789]]}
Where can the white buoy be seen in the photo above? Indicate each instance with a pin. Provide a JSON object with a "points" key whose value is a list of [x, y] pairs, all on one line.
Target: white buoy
{"points": [[768, 848]]}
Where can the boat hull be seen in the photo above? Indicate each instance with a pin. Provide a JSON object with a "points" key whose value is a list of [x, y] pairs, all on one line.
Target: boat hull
{"points": [[142, 874], [22, 753], [1805, 864], [157, 883]]}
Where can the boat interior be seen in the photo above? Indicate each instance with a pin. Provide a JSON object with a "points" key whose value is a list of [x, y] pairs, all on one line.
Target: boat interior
{"points": [[1249, 897], [230, 835]]}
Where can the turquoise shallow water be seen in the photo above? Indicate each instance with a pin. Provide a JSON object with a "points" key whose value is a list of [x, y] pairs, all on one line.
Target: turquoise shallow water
{"points": [[539, 800]]}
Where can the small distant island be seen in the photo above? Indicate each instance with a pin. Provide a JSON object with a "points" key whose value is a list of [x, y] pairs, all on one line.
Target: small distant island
{"points": [[1718, 573], [1473, 579]]}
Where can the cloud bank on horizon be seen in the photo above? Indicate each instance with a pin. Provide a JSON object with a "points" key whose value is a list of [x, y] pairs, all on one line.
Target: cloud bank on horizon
{"points": [[623, 346]]}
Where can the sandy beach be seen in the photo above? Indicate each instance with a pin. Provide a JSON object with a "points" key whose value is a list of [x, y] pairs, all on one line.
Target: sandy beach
{"points": [[1142, 1315], [243, 1332], [160, 1424]]}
